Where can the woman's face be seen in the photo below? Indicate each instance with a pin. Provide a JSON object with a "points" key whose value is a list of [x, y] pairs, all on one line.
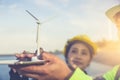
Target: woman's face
{"points": [[79, 56]]}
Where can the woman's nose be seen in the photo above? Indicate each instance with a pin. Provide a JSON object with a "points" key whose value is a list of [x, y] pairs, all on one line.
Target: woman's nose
{"points": [[78, 57]]}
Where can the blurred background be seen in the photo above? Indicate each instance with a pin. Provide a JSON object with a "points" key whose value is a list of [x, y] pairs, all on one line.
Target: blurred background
{"points": [[60, 20]]}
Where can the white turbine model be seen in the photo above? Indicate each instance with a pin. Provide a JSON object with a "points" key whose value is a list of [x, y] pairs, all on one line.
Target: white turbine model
{"points": [[35, 59], [37, 37]]}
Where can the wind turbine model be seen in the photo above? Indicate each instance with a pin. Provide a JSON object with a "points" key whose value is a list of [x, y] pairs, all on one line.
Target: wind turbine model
{"points": [[37, 37], [35, 59]]}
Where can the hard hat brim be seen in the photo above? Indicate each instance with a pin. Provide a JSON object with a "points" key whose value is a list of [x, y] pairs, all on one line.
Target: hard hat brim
{"points": [[110, 13]]}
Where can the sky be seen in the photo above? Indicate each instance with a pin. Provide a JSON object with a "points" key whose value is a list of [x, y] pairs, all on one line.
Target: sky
{"points": [[60, 20]]}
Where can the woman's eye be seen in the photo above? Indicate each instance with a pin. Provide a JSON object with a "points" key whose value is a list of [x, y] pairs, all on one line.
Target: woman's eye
{"points": [[74, 51], [84, 53]]}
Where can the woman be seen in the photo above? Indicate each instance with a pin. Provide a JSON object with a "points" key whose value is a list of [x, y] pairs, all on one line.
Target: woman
{"points": [[56, 69], [79, 52]]}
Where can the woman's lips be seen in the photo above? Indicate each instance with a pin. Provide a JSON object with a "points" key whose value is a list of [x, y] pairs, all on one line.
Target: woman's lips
{"points": [[77, 62]]}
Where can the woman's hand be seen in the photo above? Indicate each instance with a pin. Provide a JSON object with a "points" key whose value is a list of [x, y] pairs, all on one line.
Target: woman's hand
{"points": [[53, 69]]}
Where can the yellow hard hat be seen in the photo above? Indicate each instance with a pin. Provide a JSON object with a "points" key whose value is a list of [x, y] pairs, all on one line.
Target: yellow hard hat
{"points": [[83, 38], [110, 13]]}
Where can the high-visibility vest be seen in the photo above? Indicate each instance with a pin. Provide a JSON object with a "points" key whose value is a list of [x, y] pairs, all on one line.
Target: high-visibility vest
{"points": [[80, 75], [113, 74]]}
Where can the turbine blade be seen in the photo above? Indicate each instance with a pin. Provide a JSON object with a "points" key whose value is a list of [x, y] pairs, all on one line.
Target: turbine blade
{"points": [[32, 15]]}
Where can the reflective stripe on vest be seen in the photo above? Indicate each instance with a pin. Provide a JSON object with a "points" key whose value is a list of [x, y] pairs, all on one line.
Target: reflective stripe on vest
{"points": [[99, 78], [117, 74]]}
